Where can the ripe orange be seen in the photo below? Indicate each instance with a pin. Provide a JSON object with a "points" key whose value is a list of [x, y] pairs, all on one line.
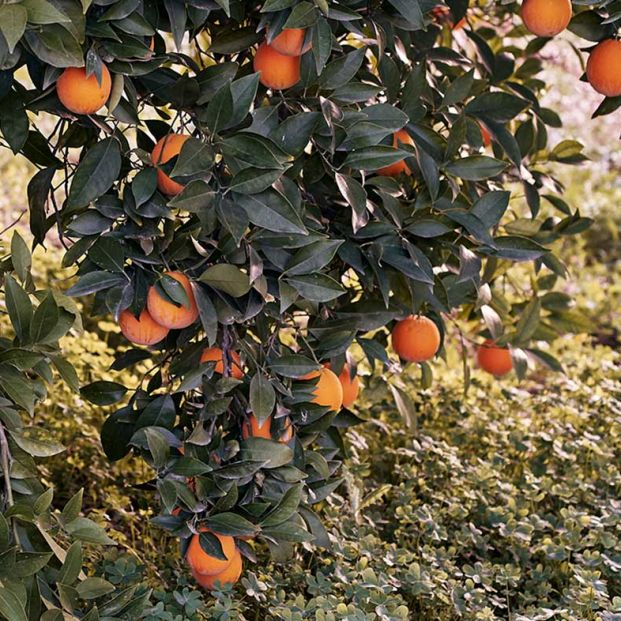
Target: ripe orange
{"points": [[546, 18], [252, 429], [166, 313], [142, 331], [290, 42], [276, 70], [604, 68], [493, 359], [217, 355], [393, 170], [166, 148], [416, 339], [228, 576], [208, 565], [81, 94], [328, 390], [351, 387]]}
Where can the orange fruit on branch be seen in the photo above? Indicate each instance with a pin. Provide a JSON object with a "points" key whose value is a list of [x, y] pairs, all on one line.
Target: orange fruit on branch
{"points": [[168, 314], [217, 355], [290, 42], [416, 339], [604, 68], [142, 331], [82, 94], [252, 429], [494, 359], [400, 167], [230, 575], [276, 70], [204, 563], [351, 387], [546, 18], [165, 149], [328, 390]]}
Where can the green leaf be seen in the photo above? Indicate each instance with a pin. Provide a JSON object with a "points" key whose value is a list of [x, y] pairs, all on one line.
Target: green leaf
{"points": [[17, 387], [303, 15], [243, 92], [196, 157], [372, 158], [288, 531], [293, 365], [518, 248], [29, 563], [272, 454], [13, 19], [72, 566], [272, 211], [116, 433], [316, 287], [529, 321], [196, 197], [44, 320], [230, 524], [95, 281], [342, 70], [96, 173], [158, 446], [497, 106], [13, 121], [38, 190], [211, 545], [313, 257], [490, 208], [255, 150], [254, 180], [262, 397], [43, 502], [44, 12], [88, 531], [94, 587], [108, 254], [20, 255], [411, 11], [103, 392], [475, 167], [294, 133], [160, 412], [73, 507], [19, 307], [36, 442], [227, 278], [220, 110], [10, 606], [286, 508]]}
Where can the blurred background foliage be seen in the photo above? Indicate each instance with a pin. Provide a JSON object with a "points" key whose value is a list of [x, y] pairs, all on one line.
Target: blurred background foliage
{"points": [[499, 504]]}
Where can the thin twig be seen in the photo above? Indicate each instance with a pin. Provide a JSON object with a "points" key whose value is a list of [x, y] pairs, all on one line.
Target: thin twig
{"points": [[10, 226]]}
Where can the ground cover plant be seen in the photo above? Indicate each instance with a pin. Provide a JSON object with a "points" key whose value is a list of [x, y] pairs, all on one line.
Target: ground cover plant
{"points": [[261, 196]]}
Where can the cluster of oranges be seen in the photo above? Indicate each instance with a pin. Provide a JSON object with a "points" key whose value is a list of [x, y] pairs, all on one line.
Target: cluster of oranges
{"points": [[278, 62], [547, 18], [160, 315], [417, 339]]}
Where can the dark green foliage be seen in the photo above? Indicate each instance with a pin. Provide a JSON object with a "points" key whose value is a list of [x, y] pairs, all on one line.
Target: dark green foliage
{"points": [[297, 249]]}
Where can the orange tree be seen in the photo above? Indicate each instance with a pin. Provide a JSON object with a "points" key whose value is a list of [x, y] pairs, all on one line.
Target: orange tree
{"points": [[251, 188]]}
